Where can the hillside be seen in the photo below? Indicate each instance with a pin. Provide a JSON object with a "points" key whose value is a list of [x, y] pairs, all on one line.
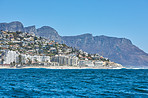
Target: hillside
{"points": [[120, 50], [18, 49]]}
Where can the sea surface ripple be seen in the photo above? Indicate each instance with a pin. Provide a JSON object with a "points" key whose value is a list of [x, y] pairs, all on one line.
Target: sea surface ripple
{"points": [[45, 83]]}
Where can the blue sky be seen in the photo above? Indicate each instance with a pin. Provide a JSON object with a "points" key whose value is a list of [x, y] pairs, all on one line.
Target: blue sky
{"points": [[116, 18]]}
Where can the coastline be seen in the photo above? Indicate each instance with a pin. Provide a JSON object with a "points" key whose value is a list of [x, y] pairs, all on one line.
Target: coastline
{"points": [[57, 67]]}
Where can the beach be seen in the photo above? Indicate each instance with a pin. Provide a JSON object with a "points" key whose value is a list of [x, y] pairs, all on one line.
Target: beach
{"points": [[59, 67]]}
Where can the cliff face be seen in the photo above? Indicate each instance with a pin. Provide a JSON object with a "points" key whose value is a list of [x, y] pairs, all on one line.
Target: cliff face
{"points": [[13, 26], [31, 29], [120, 50], [44, 31], [50, 33]]}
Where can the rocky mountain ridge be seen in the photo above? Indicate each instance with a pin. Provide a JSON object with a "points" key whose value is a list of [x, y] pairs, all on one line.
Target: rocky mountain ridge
{"points": [[120, 50]]}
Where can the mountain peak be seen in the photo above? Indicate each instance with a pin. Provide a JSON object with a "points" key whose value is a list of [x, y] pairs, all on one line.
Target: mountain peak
{"points": [[15, 22], [31, 29], [46, 27], [12, 26], [87, 34], [49, 32]]}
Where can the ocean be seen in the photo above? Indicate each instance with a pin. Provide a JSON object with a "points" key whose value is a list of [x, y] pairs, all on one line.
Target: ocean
{"points": [[45, 83]]}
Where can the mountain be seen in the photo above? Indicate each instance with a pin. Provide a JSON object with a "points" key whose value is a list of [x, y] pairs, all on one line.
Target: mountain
{"points": [[31, 29], [45, 31], [120, 50], [13, 26], [50, 33]]}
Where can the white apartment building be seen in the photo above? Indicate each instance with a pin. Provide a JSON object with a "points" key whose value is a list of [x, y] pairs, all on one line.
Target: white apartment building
{"points": [[86, 63], [40, 59], [10, 57], [98, 63], [65, 60], [35, 58]]}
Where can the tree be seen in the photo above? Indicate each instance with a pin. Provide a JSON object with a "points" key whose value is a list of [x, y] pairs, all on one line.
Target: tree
{"points": [[36, 60], [3, 61], [18, 32], [83, 55], [29, 44], [6, 36], [35, 38], [40, 37], [64, 45], [20, 59], [89, 55], [29, 61], [13, 63]]}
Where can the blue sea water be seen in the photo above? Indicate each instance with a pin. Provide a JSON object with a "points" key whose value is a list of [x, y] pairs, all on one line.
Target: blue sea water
{"points": [[45, 83]]}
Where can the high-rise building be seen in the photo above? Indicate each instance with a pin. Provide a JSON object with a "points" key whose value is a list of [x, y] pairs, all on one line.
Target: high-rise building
{"points": [[10, 57]]}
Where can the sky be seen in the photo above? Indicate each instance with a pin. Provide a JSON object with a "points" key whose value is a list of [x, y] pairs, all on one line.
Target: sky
{"points": [[115, 18]]}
